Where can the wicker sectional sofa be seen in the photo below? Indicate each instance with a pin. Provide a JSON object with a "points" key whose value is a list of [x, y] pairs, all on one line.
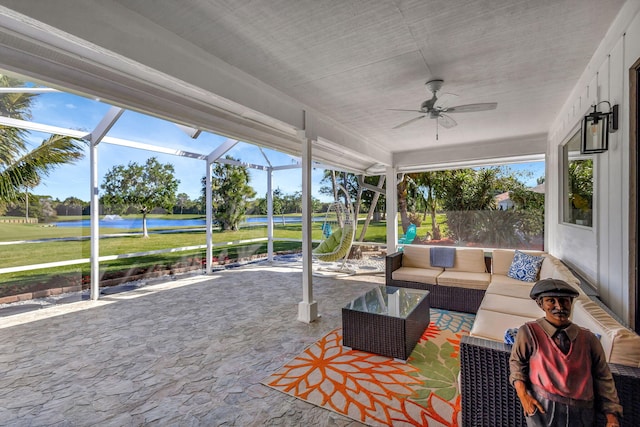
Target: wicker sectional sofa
{"points": [[459, 288], [479, 283]]}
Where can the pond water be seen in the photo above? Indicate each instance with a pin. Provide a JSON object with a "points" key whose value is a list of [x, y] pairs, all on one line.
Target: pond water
{"points": [[155, 222]]}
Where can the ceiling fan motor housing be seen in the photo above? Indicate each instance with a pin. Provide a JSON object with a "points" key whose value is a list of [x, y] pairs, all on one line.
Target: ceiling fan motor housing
{"points": [[434, 85]]}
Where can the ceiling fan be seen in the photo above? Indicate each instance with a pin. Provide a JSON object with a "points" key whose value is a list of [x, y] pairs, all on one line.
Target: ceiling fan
{"points": [[436, 107]]}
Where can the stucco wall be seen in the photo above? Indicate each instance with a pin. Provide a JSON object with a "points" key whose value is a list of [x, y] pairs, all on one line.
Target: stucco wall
{"points": [[600, 253]]}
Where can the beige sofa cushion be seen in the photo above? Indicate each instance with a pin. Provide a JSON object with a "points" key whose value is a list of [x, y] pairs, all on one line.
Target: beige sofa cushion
{"points": [[501, 259], [420, 275], [503, 285], [499, 278], [464, 279], [620, 344], [492, 325], [507, 305], [511, 305], [469, 260], [416, 256], [553, 268]]}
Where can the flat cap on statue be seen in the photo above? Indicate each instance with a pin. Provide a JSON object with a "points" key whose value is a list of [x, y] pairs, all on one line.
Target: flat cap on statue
{"points": [[552, 288]]}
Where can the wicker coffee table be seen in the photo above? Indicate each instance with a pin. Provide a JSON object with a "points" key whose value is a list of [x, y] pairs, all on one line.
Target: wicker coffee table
{"points": [[386, 320]]}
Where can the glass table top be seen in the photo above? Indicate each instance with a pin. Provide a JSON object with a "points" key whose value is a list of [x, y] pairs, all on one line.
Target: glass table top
{"points": [[388, 301]]}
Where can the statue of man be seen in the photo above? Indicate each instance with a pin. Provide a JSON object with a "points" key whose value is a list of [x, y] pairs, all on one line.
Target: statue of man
{"points": [[558, 368]]}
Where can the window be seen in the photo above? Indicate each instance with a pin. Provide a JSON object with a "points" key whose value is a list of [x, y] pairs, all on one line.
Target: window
{"points": [[493, 206], [578, 184]]}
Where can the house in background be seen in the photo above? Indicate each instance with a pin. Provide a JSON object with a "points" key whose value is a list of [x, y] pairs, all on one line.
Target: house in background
{"points": [[324, 81], [503, 202]]}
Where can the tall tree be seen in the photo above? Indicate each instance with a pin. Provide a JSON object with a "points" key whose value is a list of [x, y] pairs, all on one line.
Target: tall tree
{"points": [[20, 167], [278, 203], [406, 188], [347, 180], [463, 193], [71, 206], [143, 187], [182, 201], [370, 201], [364, 199], [230, 191], [292, 203], [431, 184], [373, 201]]}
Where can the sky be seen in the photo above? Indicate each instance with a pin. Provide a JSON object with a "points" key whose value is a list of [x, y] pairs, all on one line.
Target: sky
{"points": [[75, 112]]}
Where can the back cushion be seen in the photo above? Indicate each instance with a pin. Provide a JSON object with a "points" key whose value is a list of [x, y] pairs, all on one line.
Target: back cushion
{"points": [[502, 259], [588, 315], [416, 256], [548, 267], [553, 268], [470, 260], [620, 344]]}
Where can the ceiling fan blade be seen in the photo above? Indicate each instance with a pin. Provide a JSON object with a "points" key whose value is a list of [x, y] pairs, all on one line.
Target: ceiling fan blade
{"points": [[444, 100], [408, 122], [473, 107], [396, 109], [446, 121]]}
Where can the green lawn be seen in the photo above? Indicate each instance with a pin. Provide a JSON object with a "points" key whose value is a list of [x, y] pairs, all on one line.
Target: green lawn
{"points": [[168, 259], [52, 251], [36, 253]]}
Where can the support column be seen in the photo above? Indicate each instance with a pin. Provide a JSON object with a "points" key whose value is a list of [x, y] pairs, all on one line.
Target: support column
{"points": [[211, 159], [392, 209], [209, 215], [270, 214], [95, 224], [307, 308], [94, 139]]}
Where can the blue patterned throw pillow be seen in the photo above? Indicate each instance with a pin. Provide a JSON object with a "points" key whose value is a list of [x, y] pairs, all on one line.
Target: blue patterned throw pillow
{"points": [[510, 336], [525, 267]]}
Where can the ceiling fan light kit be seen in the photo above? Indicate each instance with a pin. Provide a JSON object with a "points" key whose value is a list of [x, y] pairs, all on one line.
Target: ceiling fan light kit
{"points": [[436, 107]]}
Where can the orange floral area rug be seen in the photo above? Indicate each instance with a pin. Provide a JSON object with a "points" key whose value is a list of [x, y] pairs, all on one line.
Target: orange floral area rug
{"points": [[378, 390]]}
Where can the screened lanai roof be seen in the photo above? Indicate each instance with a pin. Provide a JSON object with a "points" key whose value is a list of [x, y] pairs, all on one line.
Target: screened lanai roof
{"points": [[194, 143]]}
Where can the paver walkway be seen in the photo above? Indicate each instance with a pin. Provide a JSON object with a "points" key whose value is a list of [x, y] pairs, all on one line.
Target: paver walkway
{"points": [[189, 352]]}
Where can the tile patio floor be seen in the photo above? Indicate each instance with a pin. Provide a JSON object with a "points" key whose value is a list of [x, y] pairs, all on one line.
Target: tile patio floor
{"points": [[189, 352]]}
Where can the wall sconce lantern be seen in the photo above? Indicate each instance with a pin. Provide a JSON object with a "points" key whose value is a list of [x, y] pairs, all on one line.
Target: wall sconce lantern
{"points": [[596, 127]]}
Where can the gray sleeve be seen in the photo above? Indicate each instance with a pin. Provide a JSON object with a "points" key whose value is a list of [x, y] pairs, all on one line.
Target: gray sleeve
{"points": [[520, 354]]}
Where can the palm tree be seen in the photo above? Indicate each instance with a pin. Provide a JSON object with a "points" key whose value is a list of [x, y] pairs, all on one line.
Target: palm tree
{"points": [[20, 167], [431, 183], [406, 188]]}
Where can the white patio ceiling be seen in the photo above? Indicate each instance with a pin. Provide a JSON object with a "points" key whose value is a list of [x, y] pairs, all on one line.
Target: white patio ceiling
{"points": [[259, 70]]}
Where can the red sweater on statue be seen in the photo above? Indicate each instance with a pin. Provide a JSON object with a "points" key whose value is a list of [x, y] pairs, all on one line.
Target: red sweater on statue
{"points": [[560, 374]]}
